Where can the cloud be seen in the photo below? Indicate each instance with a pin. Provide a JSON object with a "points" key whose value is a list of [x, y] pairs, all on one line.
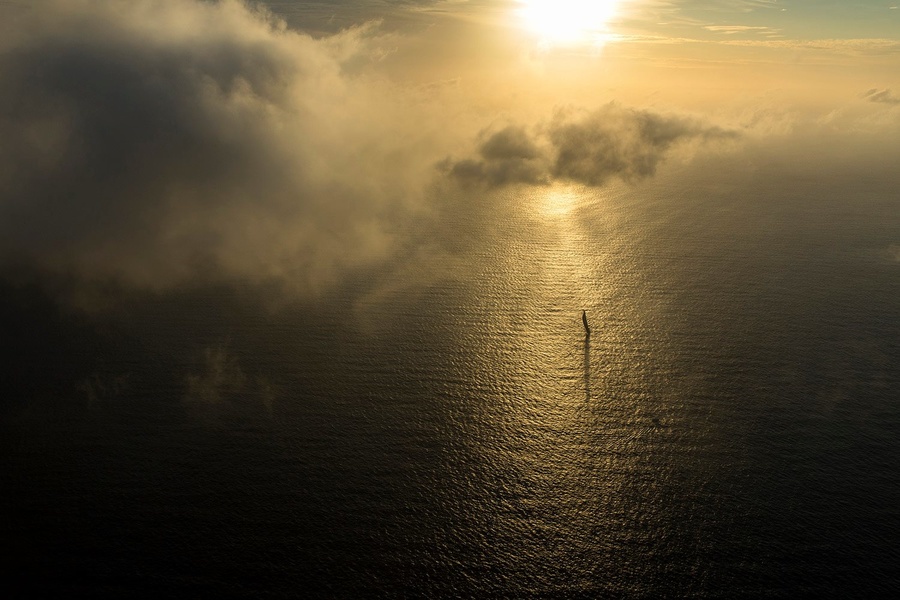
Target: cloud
{"points": [[506, 156], [587, 148], [847, 47], [159, 141], [743, 29], [881, 96], [164, 143], [220, 377], [218, 383]]}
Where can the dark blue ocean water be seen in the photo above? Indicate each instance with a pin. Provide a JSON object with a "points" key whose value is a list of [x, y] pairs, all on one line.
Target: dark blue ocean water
{"points": [[442, 427]]}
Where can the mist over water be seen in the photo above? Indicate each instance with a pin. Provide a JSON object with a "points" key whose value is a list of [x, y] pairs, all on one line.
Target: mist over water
{"points": [[444, 426]]}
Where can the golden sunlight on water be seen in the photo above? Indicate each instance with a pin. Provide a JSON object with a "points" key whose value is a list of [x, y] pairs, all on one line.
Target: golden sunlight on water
{"points": [[557, 201], [564, 424]]}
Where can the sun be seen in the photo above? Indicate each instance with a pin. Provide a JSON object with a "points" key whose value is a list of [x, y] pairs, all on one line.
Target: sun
{"points": [[567, 21]]}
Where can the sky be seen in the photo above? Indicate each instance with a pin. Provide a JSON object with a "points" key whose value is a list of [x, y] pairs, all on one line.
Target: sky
{"points": [[296, 144]]}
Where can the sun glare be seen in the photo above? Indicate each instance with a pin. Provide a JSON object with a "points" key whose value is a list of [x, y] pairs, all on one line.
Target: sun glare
{"points": [[567, 21], [557, 202]]}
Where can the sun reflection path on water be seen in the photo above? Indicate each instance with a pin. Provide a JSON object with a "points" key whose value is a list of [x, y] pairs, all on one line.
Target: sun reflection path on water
{"points": [[558, 430], [558, 202]]}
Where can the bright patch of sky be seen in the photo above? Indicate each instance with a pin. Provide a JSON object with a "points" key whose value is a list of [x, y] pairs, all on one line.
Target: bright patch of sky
{"points": [[704, 19], [800, 19]]}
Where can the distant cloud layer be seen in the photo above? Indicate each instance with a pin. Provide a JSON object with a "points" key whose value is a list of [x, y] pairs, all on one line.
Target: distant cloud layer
{"points": [[586, 148]]}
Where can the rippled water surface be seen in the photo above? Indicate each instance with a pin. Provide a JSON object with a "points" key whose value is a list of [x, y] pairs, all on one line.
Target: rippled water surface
{"points": [[446, 428]]}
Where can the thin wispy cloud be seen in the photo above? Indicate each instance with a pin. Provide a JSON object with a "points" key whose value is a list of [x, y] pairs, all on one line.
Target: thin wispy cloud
{"points": [[787, 19], [716, 5], [744, 29], [849, 47], [885, 96]]}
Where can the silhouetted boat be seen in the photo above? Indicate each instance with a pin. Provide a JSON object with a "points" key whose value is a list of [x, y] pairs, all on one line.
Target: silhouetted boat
{"points": [[587, 328]]}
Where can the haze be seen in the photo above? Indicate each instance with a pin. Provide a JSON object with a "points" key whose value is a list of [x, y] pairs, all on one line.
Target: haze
{"points": [[291, 296]]}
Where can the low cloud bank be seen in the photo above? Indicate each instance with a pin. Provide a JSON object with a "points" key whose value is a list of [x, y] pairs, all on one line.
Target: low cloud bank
{"points": [[588, 148]]}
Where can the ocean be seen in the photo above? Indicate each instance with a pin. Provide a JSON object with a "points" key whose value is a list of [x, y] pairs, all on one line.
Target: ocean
{"points": [[442, 426]]}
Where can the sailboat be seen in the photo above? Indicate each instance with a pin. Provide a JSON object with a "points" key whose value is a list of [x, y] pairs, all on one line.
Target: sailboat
{"points": [[587, 328]]}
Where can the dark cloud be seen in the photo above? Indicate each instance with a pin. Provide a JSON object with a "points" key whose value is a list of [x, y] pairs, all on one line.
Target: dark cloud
{"points": [[507, 156], [156, 140], [590, 148], [882, 96]]}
